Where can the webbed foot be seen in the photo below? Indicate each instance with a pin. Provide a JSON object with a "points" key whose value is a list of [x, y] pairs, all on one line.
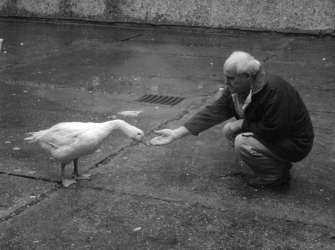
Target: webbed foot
{"points": [[83, 177], [68, 182]]}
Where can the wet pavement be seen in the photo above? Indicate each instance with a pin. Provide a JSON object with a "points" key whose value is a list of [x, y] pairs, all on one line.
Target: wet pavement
{"points": [[180, 196]]}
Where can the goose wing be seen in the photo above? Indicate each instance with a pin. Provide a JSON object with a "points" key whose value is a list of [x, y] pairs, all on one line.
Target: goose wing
{"points": [[69, 140], [79, 140], [59, 135]]}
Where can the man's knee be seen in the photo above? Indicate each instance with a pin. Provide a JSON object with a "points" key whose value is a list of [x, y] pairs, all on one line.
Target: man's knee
{"points": [[225, 129], [243, 145], [240, 143]]}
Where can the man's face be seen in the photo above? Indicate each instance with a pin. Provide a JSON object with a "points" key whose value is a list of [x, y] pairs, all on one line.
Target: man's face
{"points": [[239, 84]]}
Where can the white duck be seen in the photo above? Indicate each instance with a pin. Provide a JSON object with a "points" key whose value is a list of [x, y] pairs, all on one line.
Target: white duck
{"points": [[67, 141]]}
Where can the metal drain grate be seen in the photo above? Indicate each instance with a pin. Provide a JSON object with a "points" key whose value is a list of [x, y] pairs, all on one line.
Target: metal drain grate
{"points": [[161, 99]]}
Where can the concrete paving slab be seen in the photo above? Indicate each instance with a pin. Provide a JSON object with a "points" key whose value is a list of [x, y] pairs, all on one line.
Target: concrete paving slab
{"points": [[84, 219], [203, 170], [18, 193]]}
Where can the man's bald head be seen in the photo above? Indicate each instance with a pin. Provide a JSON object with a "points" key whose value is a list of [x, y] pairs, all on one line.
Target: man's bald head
{"points": [[240, 62]]}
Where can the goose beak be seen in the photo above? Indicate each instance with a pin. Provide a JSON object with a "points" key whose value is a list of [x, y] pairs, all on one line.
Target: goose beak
{"points": [[144, 142]]}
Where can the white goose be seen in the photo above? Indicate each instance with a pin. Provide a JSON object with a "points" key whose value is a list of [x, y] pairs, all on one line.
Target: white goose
{"points": [[67, 141]]}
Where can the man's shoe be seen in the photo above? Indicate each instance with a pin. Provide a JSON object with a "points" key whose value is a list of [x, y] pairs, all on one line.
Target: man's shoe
{"points": [[258, 182]]}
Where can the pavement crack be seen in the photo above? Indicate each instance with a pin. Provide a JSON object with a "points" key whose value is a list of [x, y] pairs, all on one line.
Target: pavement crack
{"points": [[29, 177], [144, 196], [35, 201], [107, 159], [130, 37]]}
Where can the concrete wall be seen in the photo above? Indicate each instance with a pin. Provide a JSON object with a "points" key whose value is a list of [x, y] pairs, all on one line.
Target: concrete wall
{"points": [[310, 16]]}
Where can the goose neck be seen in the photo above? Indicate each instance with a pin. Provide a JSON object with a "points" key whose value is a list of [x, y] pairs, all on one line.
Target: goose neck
{"points": [[119, 125]]}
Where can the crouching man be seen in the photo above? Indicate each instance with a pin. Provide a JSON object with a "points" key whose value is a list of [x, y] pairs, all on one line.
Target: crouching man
{"points": [[272, 127]]}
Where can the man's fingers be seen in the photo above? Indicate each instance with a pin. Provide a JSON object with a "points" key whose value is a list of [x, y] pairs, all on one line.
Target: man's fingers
{"points": [[162, 132], [159, 140], [165, 137]]}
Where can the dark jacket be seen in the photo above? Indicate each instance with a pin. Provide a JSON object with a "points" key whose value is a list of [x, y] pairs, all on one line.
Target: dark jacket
{"points": [[276, 115]]}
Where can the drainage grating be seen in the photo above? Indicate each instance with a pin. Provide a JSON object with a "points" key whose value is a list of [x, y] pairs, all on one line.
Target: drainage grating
{"points": [[161, 99]]}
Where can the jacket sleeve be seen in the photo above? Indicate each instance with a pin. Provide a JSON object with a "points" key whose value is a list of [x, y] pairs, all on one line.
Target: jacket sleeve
{"points": [[275, 119], [213, 114]]}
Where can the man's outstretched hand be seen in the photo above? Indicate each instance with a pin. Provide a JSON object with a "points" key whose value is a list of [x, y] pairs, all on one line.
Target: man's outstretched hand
{"points": [[166, 136]]}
